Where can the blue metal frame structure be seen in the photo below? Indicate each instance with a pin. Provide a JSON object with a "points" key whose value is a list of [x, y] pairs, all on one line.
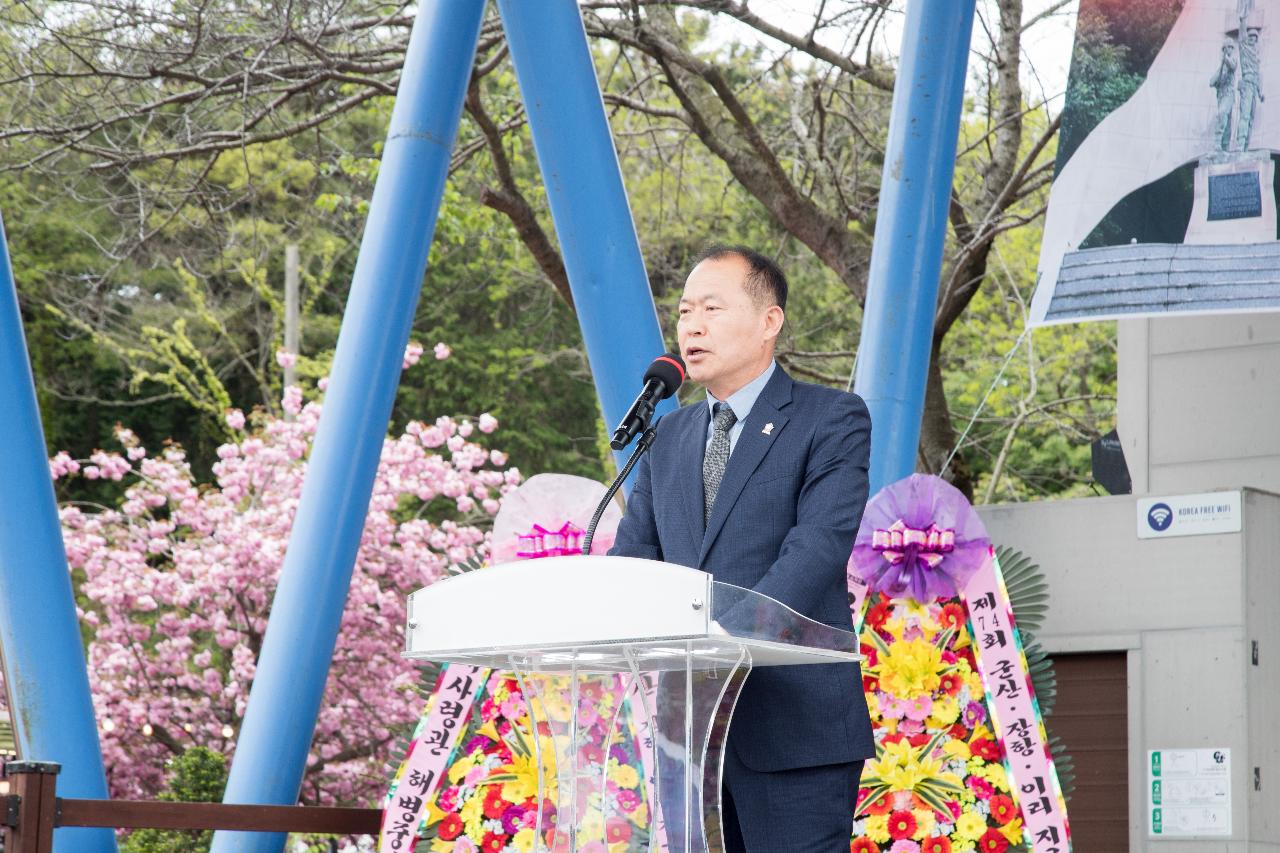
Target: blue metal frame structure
{"points": [[44, 665], [593, 222], [275, 736], [911, 228]]}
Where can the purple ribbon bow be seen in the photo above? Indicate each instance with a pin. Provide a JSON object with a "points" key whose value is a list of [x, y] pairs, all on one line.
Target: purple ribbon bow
{"points": [[919, 538]]}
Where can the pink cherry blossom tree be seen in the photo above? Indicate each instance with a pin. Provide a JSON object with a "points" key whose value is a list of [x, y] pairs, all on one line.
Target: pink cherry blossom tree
{"points": [[176, 581]]}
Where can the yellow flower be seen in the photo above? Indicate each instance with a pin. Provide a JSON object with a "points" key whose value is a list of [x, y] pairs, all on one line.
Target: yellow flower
{"points": [[439, 845], [1013, 831], [524, 771], [641, 815], [971, 826], [620, 847], [877, 828], [472, 814], [625, 775], [910, 668], [956, 749], [994, 773], [523, 840], [460, 768], [945, 712], [925, 821], [591, 825]]}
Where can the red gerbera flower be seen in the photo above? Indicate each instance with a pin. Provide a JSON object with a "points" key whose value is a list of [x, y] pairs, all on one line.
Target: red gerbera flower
{"points": [[1003, 809], [864, 845], [879, 807], [902, 825], [616, 829], [494, 804], [450, 827], [986, 749], [950, 683], [879, 614], [493, 842], [993, 842], [936, 844]]}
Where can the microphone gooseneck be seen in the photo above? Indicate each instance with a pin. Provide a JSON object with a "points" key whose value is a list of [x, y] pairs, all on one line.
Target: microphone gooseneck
{"points": [[641, 446]]}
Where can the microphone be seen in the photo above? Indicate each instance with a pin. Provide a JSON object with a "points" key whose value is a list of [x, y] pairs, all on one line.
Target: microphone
{"points": [[661, 380]]}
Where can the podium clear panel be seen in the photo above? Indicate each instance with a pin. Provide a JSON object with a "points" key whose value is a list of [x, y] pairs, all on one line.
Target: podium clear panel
{"points": [[663, 670]]}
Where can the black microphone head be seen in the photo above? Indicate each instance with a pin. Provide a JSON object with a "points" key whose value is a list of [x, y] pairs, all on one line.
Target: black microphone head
{"points": [[669, 370]]}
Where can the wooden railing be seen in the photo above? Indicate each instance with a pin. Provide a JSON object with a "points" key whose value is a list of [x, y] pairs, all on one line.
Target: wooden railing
{"points": [[33, 809]]}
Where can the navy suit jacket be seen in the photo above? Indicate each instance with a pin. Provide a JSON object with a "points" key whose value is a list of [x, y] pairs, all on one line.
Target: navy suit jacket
{"points": [[783, 524]]}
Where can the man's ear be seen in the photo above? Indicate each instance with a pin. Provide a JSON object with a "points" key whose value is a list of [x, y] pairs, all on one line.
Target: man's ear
{"points": [[773, 320]]}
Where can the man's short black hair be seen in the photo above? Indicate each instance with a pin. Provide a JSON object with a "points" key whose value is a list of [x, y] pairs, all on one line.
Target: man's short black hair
{"points": [[765, 283]]}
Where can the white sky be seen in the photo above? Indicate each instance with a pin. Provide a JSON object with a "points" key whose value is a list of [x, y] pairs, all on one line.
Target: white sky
{"points": [[1046, 46]]}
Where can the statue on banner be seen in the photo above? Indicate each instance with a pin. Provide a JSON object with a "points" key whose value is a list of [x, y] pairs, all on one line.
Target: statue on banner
{"points": [[1250, 83], [1224, 83]]}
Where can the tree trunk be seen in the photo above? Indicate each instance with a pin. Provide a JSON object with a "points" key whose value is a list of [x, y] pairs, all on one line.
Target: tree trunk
{"points": [[938, 435]]}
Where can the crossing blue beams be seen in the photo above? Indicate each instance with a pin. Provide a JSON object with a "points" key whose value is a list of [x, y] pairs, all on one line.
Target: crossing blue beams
{"points": [[40, 643], [275, 736], [588, 201]]}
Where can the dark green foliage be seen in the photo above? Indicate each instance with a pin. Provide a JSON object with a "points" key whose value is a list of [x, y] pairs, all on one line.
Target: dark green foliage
{"points": [[197, 776]]}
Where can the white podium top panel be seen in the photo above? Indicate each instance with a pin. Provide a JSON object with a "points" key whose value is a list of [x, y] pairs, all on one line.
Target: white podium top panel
{"points": [[609, 614]]}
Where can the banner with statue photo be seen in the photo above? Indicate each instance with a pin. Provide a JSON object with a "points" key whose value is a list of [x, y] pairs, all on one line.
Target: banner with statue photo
{"points": [[1164, 199]]}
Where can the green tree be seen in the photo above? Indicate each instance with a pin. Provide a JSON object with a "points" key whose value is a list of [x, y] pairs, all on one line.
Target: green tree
{"points": [[199, 775]]}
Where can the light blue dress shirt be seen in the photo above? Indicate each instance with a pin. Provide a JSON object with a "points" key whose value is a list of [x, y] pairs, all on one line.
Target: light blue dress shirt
{"points": [[741, 401]]}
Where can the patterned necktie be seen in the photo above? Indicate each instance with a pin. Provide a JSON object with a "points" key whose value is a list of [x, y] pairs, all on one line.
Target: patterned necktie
{"points": [[717, 457]]}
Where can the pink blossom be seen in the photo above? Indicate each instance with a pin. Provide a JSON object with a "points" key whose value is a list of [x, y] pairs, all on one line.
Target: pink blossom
{"points": [[442, 351], [919, 707], [292, 400], [286, 359], [176, 580], [488, 423], [412, 353]]}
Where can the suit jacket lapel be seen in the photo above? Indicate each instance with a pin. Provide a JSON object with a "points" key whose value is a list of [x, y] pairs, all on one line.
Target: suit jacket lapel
{"points": [[752, 446], [693, 447]]}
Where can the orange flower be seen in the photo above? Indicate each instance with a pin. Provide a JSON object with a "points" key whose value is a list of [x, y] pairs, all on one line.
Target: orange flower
{"points": [[864, 845], [936, 844], [1003, 809], [953, 615]]}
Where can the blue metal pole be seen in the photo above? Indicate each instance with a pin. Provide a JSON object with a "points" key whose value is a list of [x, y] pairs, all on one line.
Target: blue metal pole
{"points": [[297, 650], [911, 227], [44, 666], [588, 200]]}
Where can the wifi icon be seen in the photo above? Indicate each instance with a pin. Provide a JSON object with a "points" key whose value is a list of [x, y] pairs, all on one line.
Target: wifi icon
{"points": [[1159, 517]]}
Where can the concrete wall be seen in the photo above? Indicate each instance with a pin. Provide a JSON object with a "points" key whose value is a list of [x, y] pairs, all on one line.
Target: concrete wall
{"points": [[1199, 402], [1186, 610]]}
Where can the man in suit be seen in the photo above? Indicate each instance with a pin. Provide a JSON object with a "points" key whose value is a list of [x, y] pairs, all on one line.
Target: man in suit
{"points": [[763, 485]]}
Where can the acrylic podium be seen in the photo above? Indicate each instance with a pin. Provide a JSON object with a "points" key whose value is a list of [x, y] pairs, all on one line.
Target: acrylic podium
{"points": [[674, 641]]}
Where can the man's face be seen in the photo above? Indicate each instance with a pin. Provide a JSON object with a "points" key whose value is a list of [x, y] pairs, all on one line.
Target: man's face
{"points": [[726, 339], [1253, 38]]}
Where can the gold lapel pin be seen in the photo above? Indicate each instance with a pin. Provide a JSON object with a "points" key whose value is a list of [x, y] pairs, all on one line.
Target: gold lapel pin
{"points": [[768, 428]]}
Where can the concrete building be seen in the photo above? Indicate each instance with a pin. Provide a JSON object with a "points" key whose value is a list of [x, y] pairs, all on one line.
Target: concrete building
{"points": [[1172, 642]]}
